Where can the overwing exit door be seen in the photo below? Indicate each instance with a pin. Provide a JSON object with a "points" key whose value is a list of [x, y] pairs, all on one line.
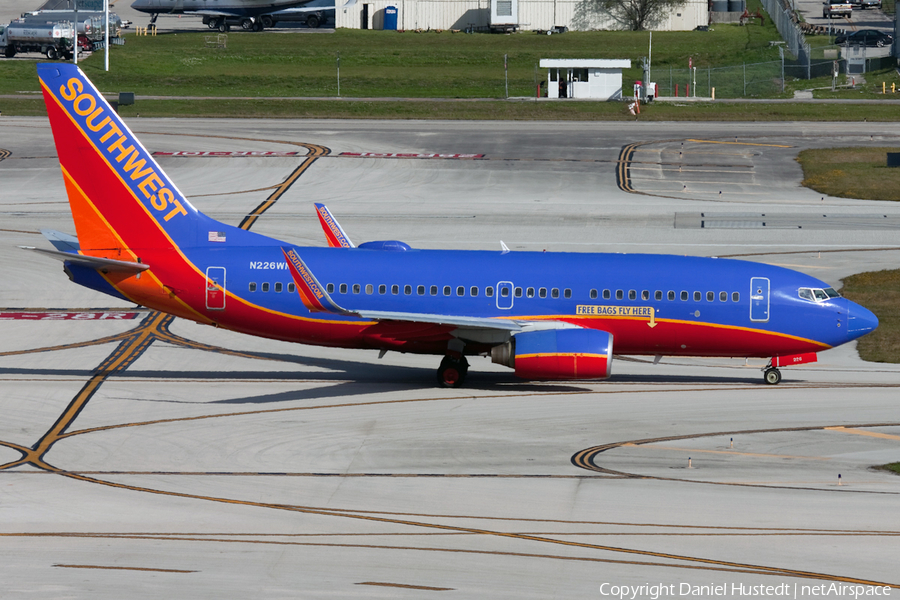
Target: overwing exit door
{"points": [[759, 299], [215, 288]]}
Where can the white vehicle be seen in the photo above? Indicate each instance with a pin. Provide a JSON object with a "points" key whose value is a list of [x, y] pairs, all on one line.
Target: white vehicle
{"points": [[54, 40]]}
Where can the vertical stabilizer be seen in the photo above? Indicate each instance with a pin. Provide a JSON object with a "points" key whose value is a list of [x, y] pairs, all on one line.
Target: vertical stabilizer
{"points": [[121, 199]]}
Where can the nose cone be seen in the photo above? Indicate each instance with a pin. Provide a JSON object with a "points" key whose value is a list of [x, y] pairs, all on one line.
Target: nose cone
{"points": [[141, 5], [861, 321]]}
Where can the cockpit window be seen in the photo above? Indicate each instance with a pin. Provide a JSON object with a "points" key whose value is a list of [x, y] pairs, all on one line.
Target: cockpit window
{"points": [[817, 295]]}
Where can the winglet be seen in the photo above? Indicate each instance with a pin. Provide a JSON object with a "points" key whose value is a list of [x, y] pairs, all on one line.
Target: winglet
{"points": [[313, 295], [333, 231]]}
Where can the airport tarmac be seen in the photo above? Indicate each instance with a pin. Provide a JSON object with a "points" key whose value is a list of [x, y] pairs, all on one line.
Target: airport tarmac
{"points": [[147, 457]]}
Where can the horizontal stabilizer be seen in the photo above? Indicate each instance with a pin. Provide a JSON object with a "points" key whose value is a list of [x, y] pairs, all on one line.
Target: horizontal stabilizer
{"points": [[63, 242], [106, 265]]}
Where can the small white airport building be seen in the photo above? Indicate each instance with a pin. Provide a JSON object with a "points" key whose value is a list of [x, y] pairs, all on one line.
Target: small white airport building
{"points": [[526, 15], [599, 79]]}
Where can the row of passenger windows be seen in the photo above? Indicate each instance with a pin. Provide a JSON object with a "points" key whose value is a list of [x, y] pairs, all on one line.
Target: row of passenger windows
{"points": [[278, 287], [518, 292], [531, 292], [447, 290]]}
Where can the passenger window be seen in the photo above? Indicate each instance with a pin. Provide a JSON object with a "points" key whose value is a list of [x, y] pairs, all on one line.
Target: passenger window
{"points": [[504, 292], [395, 289], [369, 289], [489, 292], [723, 296], [461, 291], [670, 295], [620, 294], [253, 287], [698, 296], [433, 290], [292, 288], [343, 288], [657, 295], [806, 294], [567, 293], [606, 294], [542, 292], [632, 295], [446, 290], [278, 287], [518, 292], [684, 295], [407, 289], [554, 293], [329, 288], [382, 289], [356, 288], [645, 295], [420, 290], [593, 294], [473, 291], [265, 287], [530, 292], [735, 296], [710, 296]]}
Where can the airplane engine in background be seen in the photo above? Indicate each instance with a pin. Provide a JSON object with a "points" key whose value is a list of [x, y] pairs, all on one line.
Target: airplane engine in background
{"points": [[558, 354]]}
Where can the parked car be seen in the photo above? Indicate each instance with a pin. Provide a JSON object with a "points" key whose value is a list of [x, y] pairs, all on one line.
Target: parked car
{"points": [[869, 4], [865, 37]]}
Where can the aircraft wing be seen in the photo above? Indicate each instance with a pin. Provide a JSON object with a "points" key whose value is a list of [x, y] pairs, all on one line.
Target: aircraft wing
{"points": [[458, 321]]}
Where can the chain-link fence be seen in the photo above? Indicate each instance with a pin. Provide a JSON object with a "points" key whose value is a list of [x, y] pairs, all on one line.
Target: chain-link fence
{"points": [[747, 80], [787, 26]]}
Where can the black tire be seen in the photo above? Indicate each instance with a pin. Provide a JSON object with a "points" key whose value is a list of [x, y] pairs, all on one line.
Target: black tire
{"points": [[212, 24], [452, 372], [267, 22], [312, 21], [222, 26], [10, 51], [772, 376], [880, 43], [258, 26], [52, 54], [247, 24]]}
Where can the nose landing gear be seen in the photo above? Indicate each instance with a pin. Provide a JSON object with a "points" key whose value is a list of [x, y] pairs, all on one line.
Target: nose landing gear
{"points": [[772, 376]]}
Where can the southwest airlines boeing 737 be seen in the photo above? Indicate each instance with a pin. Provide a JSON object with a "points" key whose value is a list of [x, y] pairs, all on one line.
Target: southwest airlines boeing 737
{"points": [[546, 315]]}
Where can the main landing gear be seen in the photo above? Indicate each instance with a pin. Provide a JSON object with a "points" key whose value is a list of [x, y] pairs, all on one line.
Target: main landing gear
{"points": [[454, 366]]}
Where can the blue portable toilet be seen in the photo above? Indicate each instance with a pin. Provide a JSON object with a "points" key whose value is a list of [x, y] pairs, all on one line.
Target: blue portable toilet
{"points": [[390, 18]]}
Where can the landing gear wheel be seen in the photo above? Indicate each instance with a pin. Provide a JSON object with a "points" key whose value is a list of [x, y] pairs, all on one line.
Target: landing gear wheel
{"points": [[452, 371], [772, 376]]}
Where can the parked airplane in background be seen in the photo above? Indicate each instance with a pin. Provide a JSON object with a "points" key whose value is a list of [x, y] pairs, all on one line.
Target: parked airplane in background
{"points": [[216, 13], [547, 315]]}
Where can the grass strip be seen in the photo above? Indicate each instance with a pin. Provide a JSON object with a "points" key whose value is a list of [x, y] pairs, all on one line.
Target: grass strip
{"points": [[477, 110], [879, 291], [892, 467], [851, 173]]}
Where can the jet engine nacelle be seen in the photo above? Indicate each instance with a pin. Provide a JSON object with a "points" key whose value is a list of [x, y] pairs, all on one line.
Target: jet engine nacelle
{"points": [[558, 354]]}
